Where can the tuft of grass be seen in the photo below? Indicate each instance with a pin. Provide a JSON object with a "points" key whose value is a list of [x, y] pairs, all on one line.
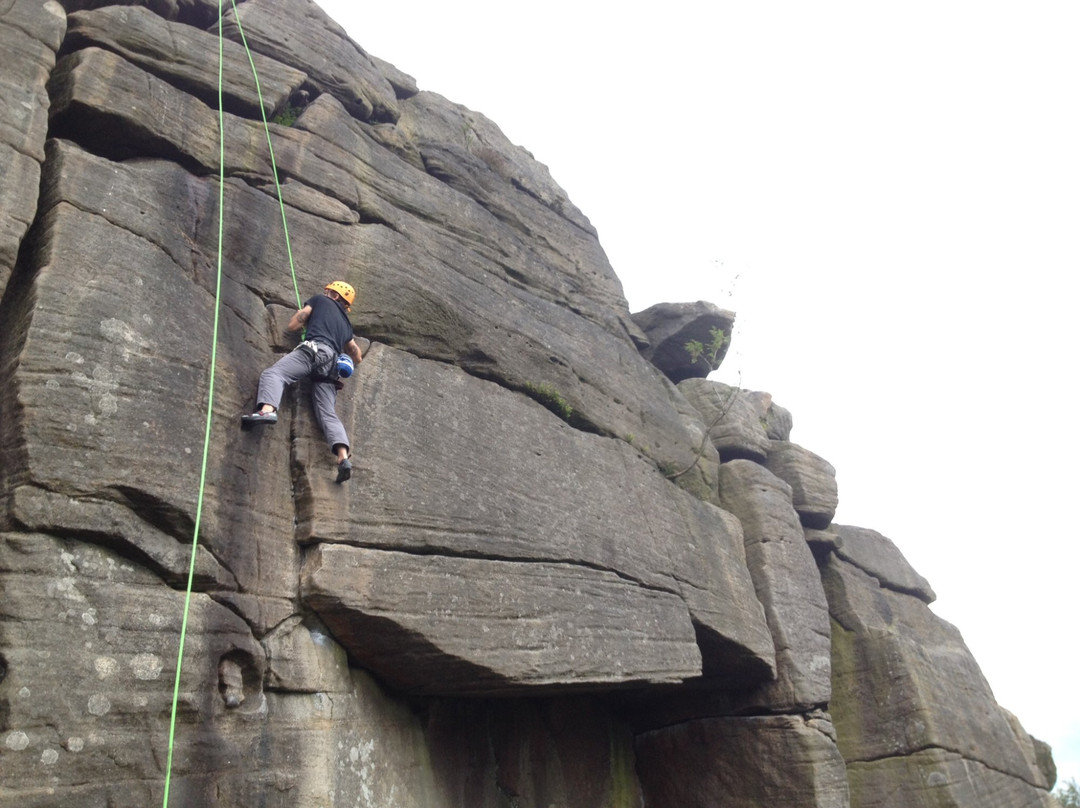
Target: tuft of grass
{"points": [[543, 393], [287, 115]]}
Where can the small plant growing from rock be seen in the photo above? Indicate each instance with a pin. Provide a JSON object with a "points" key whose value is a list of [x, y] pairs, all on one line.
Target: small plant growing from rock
{"points": [[543, 393], [287, 115], [709, 353]]}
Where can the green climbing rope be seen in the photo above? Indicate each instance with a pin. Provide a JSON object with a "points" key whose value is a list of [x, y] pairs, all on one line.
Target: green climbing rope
{"points": [[209, 417], [213, 347], [270, 147]]}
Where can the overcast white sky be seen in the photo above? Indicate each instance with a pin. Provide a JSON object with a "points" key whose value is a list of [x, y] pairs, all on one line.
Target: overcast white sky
{"points": [[888, 195]]}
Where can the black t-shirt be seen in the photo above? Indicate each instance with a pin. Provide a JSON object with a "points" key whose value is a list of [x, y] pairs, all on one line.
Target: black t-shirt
{"points": [[328, 323]]}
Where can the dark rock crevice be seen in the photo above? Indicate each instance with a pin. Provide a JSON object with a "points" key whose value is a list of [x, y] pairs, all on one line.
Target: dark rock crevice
{"points": [[121, 526], [17, 301]]}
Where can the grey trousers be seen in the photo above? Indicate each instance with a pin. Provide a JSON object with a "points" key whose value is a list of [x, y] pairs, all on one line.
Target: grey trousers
{"points": [[292, 368]]}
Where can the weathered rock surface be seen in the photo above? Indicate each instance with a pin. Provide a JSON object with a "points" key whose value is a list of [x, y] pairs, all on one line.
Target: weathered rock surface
{"points": [[904, 684], [670, 326], [737, 427], [782, 569], [556, 578], [744, 763], [466, 468], [30, 34], [89, 649], [186, 57], [812, 480], [938, 778], [878, 557], [342, 68], [439, 625]]}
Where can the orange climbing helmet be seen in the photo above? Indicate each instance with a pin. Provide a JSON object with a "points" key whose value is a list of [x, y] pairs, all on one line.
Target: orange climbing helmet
{"points": [[343, 289]]}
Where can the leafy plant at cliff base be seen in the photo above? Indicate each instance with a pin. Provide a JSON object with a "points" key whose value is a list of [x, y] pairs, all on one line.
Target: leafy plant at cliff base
{"points": [[1068, 794]]}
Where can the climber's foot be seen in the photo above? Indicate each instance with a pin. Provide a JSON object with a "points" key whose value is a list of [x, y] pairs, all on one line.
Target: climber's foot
{"points": [[344, 470], [260, 417]]}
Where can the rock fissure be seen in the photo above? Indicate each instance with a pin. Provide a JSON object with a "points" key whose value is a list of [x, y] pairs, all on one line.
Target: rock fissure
{"points": [[954, 753], [165, 556]]}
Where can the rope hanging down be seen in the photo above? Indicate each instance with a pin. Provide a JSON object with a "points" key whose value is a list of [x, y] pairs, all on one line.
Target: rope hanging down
{"points": [[213, 346]]}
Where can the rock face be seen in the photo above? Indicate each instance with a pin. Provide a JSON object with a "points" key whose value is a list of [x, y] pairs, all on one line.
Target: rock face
{"points": [[568, 570]]}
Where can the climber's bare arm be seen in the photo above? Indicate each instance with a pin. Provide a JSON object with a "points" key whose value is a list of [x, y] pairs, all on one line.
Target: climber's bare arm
{"points": [[296, 322], [353, 350]]}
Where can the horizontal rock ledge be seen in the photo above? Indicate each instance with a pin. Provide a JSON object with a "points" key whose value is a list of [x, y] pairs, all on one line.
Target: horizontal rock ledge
{"points": [[437, 625]]}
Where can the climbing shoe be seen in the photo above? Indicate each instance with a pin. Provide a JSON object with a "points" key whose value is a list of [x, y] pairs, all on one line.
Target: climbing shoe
{"points": [[344, 470], [259, 418]]}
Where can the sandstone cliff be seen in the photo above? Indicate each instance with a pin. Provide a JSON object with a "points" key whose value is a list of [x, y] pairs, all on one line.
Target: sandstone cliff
{"points": [[568, 570]]}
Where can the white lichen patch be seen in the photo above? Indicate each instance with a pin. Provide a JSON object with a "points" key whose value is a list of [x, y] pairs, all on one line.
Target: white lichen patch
{"points": [[361, 766], [109, 404], [75, 744], [68, 560], [98, 704], [146, 666], [17, 741], [64, 588], [124, 336], [101, 385], [49, 757], [106, 667]]}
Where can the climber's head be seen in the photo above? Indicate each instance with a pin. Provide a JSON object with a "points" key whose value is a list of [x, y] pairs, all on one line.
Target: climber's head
{"points": [[342, 290]]}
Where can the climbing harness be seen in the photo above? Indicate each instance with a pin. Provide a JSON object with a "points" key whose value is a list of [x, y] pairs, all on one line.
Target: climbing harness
{"points": [[323, 357], [213, 346]]}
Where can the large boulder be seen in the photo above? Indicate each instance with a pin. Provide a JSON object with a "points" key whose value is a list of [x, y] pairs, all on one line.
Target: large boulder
{"points": [[433, 624], [913, 712], [783, 571], [736, 424], [812, 479], [669, 327], [457, 466]]}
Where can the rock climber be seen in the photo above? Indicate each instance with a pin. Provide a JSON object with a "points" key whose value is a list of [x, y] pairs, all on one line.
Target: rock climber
{"points": [[329, 333]]}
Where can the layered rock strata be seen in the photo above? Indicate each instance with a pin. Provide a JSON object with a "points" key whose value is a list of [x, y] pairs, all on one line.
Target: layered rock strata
{"points": [[569, 570]]}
